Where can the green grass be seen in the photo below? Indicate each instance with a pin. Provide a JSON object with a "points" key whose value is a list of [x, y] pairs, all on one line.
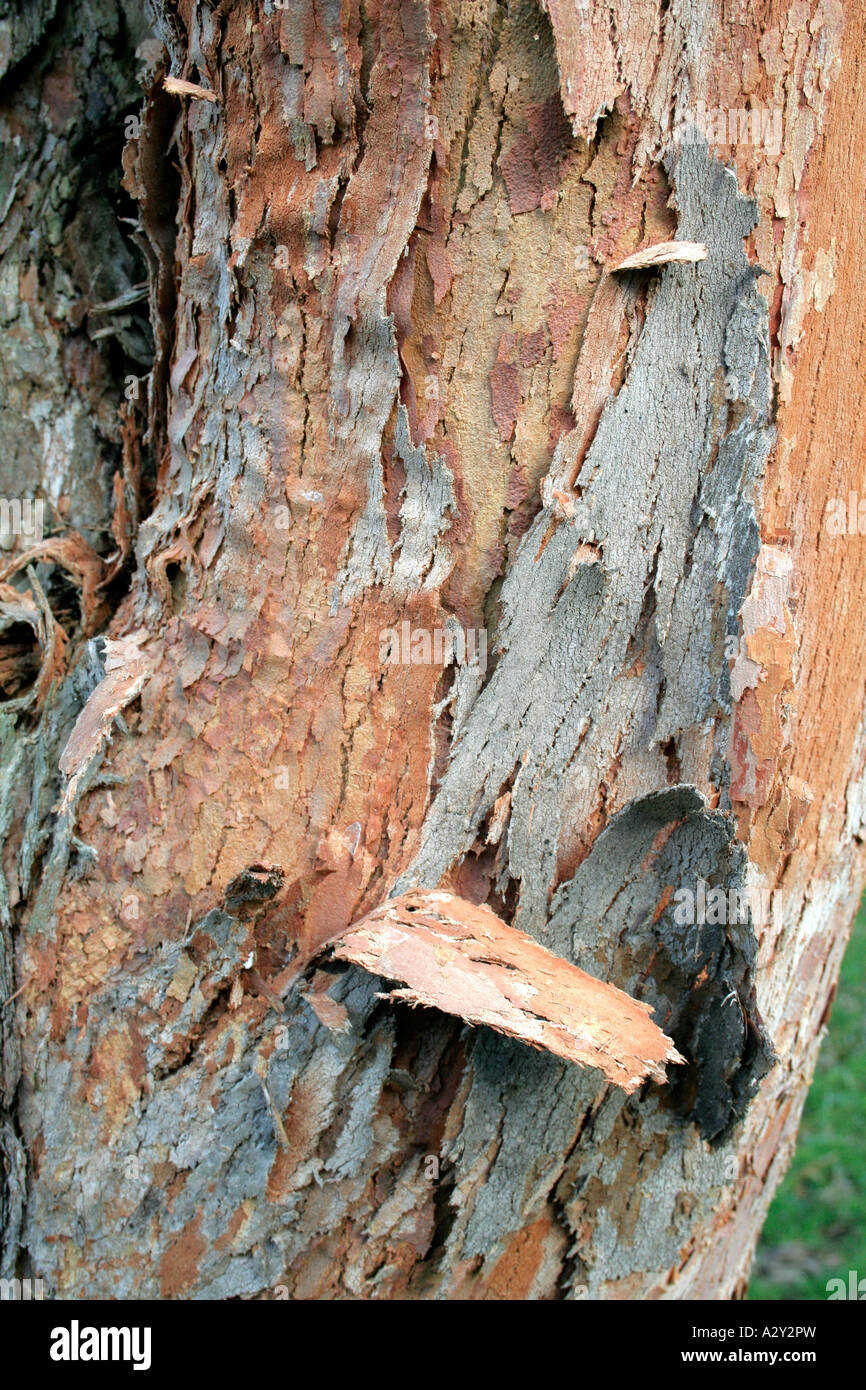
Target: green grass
{"points": [[816, 1227]]}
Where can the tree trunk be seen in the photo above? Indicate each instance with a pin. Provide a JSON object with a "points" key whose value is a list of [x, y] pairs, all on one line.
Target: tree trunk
{"points": [[433, 552]]}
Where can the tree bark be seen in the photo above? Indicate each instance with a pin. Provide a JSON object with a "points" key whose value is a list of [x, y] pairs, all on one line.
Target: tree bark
{"points": [[421, 551]]}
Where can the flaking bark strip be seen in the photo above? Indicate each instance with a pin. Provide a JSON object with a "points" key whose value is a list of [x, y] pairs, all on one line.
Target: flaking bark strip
{"points": [[178, 86], [665, 253], [126, 670], [451, 955]]}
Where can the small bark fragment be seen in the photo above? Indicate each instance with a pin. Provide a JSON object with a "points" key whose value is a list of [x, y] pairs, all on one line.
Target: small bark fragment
{"points": [[454, 956], [178, 86], [663, 253]]}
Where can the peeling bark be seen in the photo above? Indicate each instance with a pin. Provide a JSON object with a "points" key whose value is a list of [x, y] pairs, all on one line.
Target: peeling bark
{"points": [[434, 354], [461, 959]]}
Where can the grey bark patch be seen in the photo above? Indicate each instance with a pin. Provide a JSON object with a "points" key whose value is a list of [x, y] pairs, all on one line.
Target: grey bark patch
{"points": [[698, 976], [523, 1114], [31, 760], [203, 1111], [371, 383], [421, 558], [428, 499], [13, 1193], [57, 722]]}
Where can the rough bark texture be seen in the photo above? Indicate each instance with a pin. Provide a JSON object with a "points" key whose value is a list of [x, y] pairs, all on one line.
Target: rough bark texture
{"points": [[397, 380]]}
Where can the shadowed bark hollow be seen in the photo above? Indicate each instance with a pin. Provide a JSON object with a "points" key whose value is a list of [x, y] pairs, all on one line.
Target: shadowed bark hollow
{"points": [[425, 608]]}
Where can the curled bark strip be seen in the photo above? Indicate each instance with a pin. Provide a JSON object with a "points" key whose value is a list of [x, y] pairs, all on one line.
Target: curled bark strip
{"points": [[663, 253], [80, 560], [451, 955], [31, 608]]}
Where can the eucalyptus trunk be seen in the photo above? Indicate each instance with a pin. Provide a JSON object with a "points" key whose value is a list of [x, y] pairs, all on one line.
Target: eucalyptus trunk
{"points": [[400, 555]]}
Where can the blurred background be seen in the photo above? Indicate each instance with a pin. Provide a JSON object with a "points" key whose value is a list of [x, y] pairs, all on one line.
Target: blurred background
{"points": [[816, 1228]]}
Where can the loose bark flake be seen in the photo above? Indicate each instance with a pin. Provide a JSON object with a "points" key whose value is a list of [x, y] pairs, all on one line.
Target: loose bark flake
{"points": [[179, 87], [462, 959], [665, 253]]}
